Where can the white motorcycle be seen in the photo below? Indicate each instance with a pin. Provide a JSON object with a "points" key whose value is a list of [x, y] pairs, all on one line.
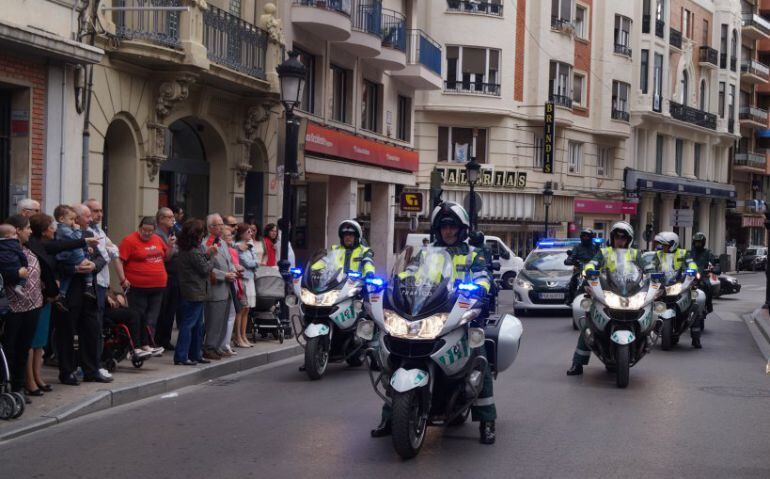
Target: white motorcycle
{"points": [[331, 306], [430, 355], [617, 315]]}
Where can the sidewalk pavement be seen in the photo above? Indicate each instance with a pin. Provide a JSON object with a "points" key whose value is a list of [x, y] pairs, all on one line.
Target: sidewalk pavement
{"points": [[157, 376]]}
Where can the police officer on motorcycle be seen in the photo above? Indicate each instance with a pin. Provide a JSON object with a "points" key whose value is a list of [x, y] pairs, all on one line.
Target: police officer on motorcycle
{"points": [[450, 225], [358, 257], [667, 242], [703, 257], [579, 256], [621, 238]]}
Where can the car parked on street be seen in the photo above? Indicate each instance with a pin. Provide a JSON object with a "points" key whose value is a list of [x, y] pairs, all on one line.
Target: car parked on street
{"points": [[754, 258]]}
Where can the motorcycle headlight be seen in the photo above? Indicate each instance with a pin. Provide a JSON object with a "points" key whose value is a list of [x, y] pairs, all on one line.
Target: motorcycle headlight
{"points": [[523, 284], [616, 301], [324, 299], [674, 289], [659, 307], [427, 328]]}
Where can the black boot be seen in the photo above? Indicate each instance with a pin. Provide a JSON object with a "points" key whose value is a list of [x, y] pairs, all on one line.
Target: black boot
{"points": [[696, 342], [382, 430], [487, 432], [575, 370]]}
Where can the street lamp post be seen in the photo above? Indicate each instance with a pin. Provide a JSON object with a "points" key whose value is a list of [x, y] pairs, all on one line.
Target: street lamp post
{"points": [[547, 201], [292, 77], [472, 169]]}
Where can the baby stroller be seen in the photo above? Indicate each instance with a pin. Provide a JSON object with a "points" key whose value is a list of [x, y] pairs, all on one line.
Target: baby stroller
{"points": [[264, 318], [11, 404]]}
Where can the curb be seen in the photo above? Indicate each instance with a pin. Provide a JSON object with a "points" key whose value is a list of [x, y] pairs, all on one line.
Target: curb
{"points": [[109, 398], [758, 323]]}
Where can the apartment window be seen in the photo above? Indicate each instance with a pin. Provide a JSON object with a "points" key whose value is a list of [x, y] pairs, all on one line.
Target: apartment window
{"points": [[706, 36], [721, 100], [559, 84], [660, 10], [578, 85], [696, 160], [723, 47], [370, 106], [308, 94], [539, 149], [620, 101], [644, 71], [581, 24], [659, 146], [622, 35], [561, 10], [646, 16], [685, 87], [339, 94], [604, 162], [657, 85], [678, 156], [404, 118], [703, 95], [455, 144], [687, 20], [731, 103], [473, 70], [734, 51], [575, 156]]}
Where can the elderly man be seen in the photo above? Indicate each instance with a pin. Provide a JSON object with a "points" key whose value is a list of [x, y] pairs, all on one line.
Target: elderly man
{"points": [[28, 207], [165, 230], [84, 318], [219, 300]]}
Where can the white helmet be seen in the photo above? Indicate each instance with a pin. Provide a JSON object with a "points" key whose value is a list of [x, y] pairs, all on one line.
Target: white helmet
{"points": [[450, 213], [621, 227], [668, 238], [351, 227]]}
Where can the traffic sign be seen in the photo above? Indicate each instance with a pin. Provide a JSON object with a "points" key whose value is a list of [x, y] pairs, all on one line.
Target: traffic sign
{"points": [[467, 203], [683, 218], [411, 202]]}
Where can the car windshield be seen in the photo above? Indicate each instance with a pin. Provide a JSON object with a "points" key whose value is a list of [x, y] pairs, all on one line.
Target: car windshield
{"points": [[421, 281], [547, 261], [751, 252]]}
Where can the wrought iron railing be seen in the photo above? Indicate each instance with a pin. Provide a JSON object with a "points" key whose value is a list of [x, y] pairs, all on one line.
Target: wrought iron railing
{"points": [[660, 27], [340, 6], [752, 113], [693, 115], [706, 54], [620, 115], [234, 43], [756, 68], [459, 86], [560, 100], [623, 49], [368, 17], [751, 159], [646, 23], [755, 21], [675, 38], [393, 30], [471, 6], [420, 48], [156, 26]]}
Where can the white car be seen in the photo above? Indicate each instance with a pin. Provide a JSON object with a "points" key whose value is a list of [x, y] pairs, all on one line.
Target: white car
{"points": [[543, 283]]}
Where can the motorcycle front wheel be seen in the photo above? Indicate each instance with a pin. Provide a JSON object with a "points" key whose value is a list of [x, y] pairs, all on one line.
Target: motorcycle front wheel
{"points": [[667, 336], [623, 366], [409, 423], [316, 358]]}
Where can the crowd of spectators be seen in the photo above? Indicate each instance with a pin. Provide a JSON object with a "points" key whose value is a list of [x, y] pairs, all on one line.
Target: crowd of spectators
{"points": [[56, 273]]}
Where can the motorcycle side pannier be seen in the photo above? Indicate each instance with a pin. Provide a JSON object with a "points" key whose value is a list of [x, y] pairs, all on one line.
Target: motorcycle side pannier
{"points": [[503, 336]]}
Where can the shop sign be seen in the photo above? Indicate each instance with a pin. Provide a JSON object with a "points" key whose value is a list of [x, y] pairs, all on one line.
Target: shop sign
{"points": [[549, 133], [489, 177], [411, 202], [608, 207], [752, 221], [362, 150]]}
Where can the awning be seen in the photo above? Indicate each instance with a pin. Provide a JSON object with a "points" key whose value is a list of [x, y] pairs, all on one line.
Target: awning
{"points": [[35, 42], [636, 180], [763, 133]]}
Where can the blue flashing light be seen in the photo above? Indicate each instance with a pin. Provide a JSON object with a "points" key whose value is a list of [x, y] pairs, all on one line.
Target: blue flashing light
{"points": [[296, 272], [354, 275], [690, 272], [657, 276], [379, 282], [598, 241], [470, 287], [558, 242]]}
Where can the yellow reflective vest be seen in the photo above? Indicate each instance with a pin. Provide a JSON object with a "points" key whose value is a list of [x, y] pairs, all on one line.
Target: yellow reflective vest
{"points": [[468, 265], [359, 259], [606, 259]]}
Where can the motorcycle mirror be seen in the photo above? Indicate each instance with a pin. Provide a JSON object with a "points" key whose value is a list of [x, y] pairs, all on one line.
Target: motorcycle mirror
{"points": [[690, 272], [592, 274], [657, 277]]}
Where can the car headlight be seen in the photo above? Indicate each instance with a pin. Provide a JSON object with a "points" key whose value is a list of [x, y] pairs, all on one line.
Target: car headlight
{"points": [[523, 284], [428, 328], [324, 299], [616, 301], [674, 289]]}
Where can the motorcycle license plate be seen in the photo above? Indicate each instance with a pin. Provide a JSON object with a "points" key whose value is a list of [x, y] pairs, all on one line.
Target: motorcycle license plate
{"points": [[551, 295], [345, 315]]}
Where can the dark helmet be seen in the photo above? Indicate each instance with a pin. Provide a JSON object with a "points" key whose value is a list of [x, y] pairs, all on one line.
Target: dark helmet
{"points": [[699, 236], [587, 231], [449, 213], [350, 227]]}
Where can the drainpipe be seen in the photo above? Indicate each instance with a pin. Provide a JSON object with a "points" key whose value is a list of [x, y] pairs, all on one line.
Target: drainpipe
{"points": [[87, 116]]}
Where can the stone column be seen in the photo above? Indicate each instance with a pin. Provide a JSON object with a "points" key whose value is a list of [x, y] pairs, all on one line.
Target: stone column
{"points": [[717, 241], [669, 156], [381, 233], [342, 203], [704, 218], [191, 34], [665, 211], [688, 159]]}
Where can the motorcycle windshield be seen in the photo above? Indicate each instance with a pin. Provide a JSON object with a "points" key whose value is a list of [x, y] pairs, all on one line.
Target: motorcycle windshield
{"points": [[625, 279], [325, 271], [422, 285], [666, 265]]}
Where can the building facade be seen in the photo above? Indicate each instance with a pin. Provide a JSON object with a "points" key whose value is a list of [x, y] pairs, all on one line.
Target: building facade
{"points": [[42, 65]]}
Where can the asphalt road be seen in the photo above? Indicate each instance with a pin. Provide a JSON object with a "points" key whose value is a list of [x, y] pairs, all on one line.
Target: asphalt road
{"points": [[686, 413]]}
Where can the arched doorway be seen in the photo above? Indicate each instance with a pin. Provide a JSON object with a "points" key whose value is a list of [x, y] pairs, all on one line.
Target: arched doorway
{"points": [[184, 176], [120, 180]]}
